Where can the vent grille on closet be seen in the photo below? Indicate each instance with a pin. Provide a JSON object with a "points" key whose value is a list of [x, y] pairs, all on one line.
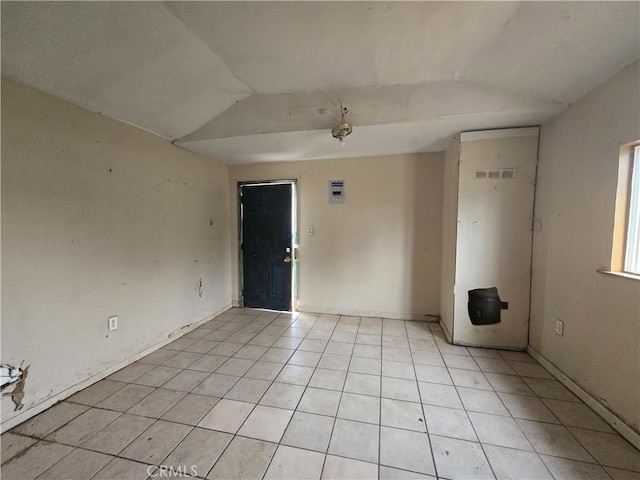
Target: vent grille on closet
{"points": [[503, 174]]}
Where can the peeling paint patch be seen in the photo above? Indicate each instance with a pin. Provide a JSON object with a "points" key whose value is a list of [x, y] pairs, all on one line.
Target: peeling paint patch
{"points": [[9, 375], [15, 376]]}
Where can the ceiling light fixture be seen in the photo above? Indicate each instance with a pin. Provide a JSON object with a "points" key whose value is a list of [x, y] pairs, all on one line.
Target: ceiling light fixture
{"points": [[343, 129]]}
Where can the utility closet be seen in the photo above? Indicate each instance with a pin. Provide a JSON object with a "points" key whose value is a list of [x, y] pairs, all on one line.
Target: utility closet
{"points": [[489, 187]]}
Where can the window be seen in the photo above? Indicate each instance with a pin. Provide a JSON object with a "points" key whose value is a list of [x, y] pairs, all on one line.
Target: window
{"points": [[626, 236], [632, 243]]}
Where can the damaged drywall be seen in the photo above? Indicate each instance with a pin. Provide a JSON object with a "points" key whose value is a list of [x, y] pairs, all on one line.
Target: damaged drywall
{"points": [[14, 376], [9, 375]]}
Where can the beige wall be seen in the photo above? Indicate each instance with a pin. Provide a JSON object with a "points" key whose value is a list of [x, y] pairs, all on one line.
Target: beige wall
{"points": [[100, 218], [575, 199], [379, 253]]}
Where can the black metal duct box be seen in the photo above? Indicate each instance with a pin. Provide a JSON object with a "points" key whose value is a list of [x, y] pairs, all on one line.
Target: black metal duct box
{"points": [[485, 305]]}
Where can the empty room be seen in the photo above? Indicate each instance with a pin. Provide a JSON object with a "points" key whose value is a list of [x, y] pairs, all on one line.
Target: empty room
{"points": [[304, 240]]}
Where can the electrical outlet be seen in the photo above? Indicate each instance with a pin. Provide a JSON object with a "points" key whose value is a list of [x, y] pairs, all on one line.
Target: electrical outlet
{"points": [[113, 323], [559, 327]]}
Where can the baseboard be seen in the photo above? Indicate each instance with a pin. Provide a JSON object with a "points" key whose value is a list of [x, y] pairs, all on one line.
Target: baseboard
{"points": [[607, 415], [367, 313], [49, 402], [447, 333], [493, 347]]}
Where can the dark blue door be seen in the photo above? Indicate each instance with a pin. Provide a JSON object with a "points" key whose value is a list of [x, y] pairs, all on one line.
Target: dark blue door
{"points": [[266, 246]]}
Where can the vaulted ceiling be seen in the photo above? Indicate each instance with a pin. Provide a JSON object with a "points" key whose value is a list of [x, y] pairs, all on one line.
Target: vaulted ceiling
{"points": [[251, 82]]}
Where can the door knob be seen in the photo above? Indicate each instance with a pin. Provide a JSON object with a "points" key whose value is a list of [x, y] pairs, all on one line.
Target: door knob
{"points": [[287, 259]]}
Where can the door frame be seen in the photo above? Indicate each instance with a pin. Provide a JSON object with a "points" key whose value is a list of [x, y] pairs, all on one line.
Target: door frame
{"points": [[294, 236]]}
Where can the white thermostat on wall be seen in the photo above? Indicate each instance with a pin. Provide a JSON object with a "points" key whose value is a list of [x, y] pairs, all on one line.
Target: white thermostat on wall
{"points": [[336, 191]]}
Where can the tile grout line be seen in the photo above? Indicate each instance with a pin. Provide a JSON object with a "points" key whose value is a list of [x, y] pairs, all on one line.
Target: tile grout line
{"points": [[514, 419], [101, 429], [482, 444], [475, 431], [426, 427], [196, 425], [279, 443], [192, 427], [380, 402], [258, 402], [234, 435], [335, 419]]}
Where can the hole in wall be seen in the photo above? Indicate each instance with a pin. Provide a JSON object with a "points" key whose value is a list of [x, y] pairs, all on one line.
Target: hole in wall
{"points": [[15, 377]]}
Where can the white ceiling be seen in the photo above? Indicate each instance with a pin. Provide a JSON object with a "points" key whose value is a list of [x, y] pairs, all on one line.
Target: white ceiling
{"points": [[251, 82]]}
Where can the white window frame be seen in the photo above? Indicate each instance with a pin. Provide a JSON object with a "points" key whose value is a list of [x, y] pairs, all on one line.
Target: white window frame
{"points": [[632, 238], [625, 252]]}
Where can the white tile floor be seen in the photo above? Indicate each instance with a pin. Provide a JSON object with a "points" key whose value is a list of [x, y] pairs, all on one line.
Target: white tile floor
{"points": [[256, 394]]}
